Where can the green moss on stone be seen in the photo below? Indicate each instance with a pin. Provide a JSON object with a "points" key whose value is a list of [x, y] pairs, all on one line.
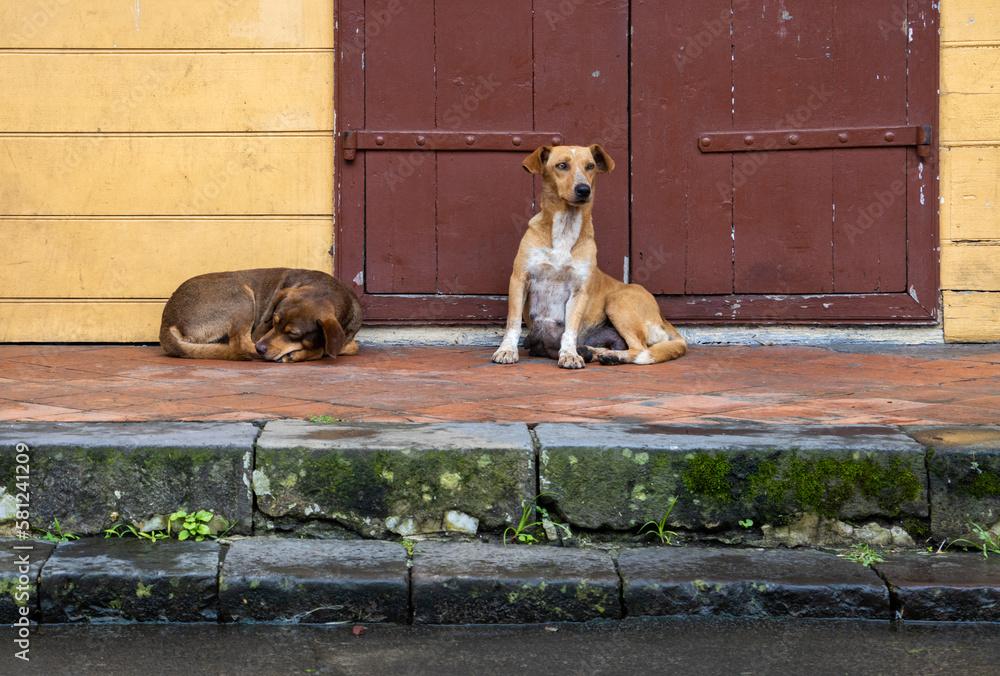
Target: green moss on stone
{"points": [[823, 485], [9, 587], [419, 484], [917, 528], [709, 476], [986, 484]]}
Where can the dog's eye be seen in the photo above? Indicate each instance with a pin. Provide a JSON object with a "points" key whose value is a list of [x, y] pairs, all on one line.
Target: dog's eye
{"points": [[562, 166], [591, 166]]}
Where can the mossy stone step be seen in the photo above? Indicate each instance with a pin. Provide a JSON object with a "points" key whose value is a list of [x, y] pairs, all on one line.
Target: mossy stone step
{"points": [[964, 468], [90, 476], [618, 476], [401, 478]]}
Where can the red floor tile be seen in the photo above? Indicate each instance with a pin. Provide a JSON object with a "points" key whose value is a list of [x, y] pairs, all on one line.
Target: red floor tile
{"points": [[957, 384]]}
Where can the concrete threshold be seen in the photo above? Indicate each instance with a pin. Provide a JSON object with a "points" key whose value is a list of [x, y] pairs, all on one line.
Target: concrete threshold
{"points": [[486, 336]]}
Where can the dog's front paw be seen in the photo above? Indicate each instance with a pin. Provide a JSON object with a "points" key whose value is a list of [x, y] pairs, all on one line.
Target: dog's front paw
{"points": [[570, 360], [505, 356]]}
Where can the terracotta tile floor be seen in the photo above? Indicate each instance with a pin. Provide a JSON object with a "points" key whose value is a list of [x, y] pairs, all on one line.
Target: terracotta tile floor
{"points": [[850, 385]]}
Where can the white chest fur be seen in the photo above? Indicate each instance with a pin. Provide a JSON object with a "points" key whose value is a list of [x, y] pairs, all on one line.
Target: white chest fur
{"points": [[553, 274]]}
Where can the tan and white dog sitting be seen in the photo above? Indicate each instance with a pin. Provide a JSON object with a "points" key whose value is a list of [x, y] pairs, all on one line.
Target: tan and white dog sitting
{"points": [[574, 312]]}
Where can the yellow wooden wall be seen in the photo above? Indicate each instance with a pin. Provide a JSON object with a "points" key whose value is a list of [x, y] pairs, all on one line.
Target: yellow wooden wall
{"points": [[146, 141], [970, 171]]}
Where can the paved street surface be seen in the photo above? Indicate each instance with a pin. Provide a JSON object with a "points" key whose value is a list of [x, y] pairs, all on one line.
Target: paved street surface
{"points": [[687, 647], [954, 384]]}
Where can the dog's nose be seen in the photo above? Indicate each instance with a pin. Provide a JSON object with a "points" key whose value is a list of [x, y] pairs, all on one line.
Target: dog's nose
{"points": [[582, 191], [261, 348]]}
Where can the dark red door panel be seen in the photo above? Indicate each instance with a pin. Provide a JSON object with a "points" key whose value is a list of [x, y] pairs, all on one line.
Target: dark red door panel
{"points": [[795, 229], [775, 158], [485, 75], [455, 94]]}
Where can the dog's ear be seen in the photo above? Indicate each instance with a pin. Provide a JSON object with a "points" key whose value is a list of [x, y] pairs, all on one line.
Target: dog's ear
{"points": [[272, 306], [334, 337], [602, 159], [535, 162]]}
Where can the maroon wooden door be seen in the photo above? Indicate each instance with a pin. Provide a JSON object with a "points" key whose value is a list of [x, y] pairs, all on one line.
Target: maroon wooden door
{"points": [[777, 171], [775, 157], [438, 103]]}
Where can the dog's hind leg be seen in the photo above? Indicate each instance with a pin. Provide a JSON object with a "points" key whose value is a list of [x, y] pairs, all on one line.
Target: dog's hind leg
{"points": [[650, 340], [176, 345]]}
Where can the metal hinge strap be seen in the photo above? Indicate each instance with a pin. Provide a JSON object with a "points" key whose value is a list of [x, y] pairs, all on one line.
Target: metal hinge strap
{"points": [[510, 141], [921, 137]]}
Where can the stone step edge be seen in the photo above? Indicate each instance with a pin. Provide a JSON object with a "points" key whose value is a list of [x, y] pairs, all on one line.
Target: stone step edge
{"points": [[956, 447], [951, 587]]}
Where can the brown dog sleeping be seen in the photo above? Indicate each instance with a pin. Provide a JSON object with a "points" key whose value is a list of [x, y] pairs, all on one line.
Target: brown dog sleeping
{"points": [[275, 314]]}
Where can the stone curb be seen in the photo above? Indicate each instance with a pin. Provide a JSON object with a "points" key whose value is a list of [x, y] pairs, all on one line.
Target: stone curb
{"points": [[310, 581], [943, 587], [814, 485], [767, 583], [133, 580], [314, 581], [473, 583]]}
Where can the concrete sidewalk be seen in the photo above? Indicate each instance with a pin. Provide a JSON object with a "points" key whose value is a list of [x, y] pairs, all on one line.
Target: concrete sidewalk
{"points": [[851, 385]]}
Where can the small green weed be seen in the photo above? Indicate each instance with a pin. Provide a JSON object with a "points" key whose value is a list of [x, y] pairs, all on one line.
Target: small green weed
{"points": [[522, 532], [408, 546], [989, 542], [55, 533], [324, 420], [746, 523], [122, 530], [659, 528], [864, 554], [548, 520], [191, 524]]}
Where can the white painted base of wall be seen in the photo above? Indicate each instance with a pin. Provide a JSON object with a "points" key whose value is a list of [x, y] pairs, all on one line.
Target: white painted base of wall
{"points": [[485, 336]]}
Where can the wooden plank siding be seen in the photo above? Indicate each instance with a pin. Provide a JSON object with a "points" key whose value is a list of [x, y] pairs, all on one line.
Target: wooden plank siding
{"points": [[970, 170], [144, 142]]}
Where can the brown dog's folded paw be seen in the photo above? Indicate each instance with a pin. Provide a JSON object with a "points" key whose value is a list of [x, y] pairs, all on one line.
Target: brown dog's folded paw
{"points": [[610, 358]]}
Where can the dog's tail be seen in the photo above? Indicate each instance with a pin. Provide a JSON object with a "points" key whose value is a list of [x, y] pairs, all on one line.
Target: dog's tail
{"points": [[175, 345], [666, 350]]}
